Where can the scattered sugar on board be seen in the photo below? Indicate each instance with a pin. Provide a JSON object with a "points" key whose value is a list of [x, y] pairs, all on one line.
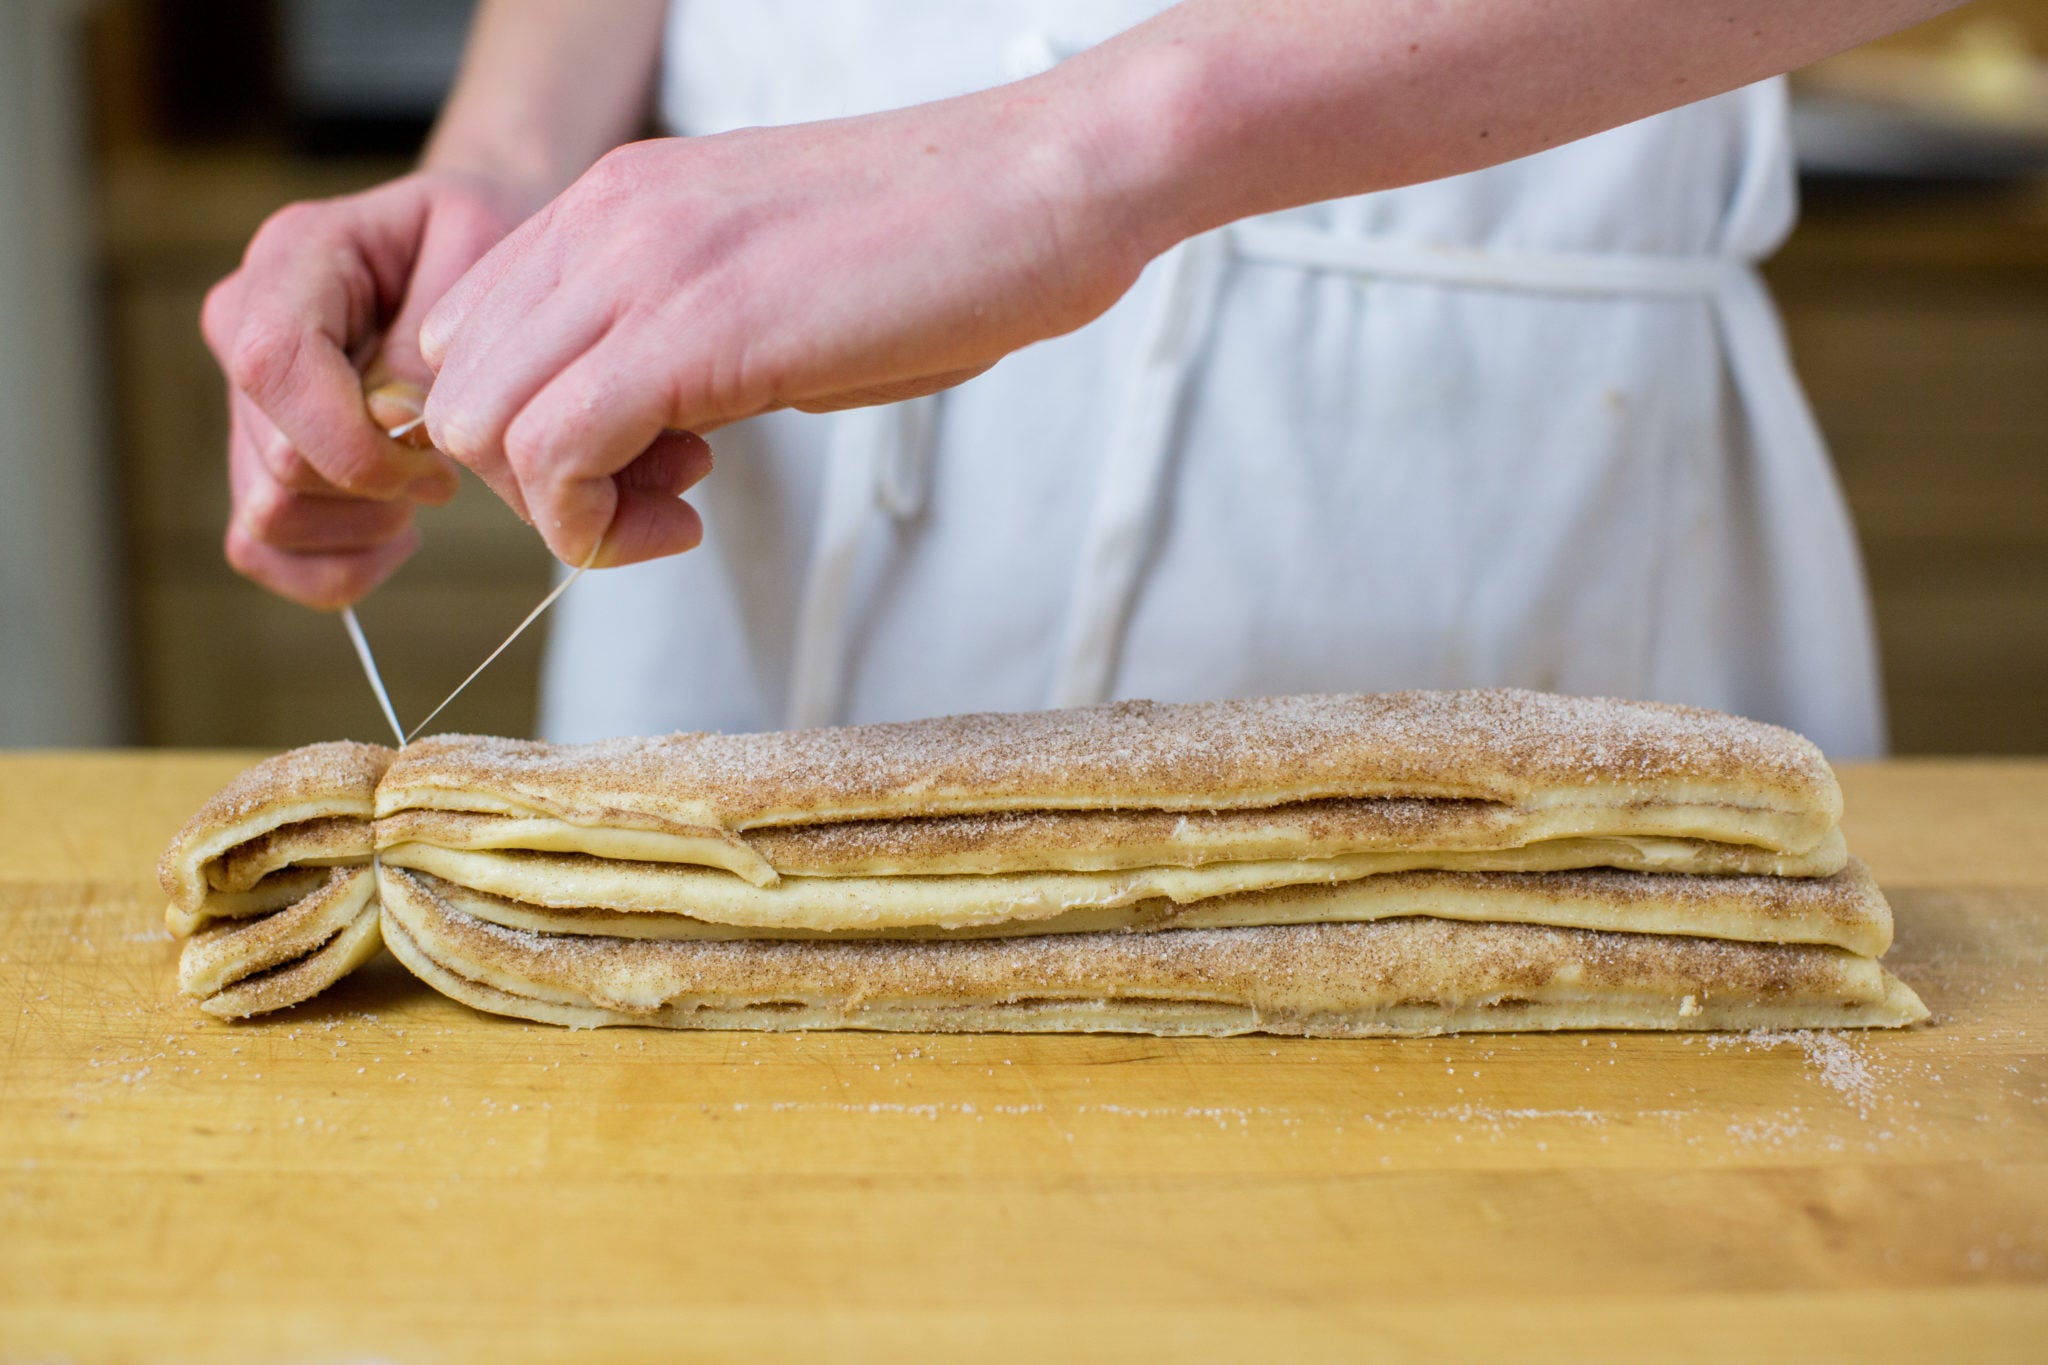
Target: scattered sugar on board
{"points": [[1838, 1064]]}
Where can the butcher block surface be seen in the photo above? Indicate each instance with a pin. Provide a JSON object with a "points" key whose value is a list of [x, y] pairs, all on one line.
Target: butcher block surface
{"points": [[383, 1174]]}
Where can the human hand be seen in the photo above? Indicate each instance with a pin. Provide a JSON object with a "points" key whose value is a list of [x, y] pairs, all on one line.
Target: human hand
{"points": [[326, 303], [685, 283]]}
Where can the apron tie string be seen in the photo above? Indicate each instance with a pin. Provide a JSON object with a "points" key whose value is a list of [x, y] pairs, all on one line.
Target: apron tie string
{"points": [[877, 458], [1134, 468]]}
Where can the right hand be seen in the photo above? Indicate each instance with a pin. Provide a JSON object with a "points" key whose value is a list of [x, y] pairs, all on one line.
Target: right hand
{"points": [[326, 305]]}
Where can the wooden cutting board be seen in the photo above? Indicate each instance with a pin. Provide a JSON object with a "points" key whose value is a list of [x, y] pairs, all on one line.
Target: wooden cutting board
{"points": [[383, 1174]]}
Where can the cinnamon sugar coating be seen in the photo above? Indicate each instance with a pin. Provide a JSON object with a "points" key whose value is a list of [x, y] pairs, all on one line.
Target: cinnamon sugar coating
{"points": [[325, 842], [319, 781], [304, 978], [227, 952], [338, 771], [1502, 745]]}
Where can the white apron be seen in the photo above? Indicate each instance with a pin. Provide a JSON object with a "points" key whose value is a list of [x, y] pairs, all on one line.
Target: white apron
{"points": [[1532, 426]]}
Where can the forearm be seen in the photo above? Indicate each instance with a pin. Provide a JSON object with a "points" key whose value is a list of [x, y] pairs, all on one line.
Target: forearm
{"points": [[1220, 109], [547, 87]]}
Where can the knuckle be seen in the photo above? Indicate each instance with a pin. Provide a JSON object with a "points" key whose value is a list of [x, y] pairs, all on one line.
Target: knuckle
{"points": [[560, 496], [612, 177], [216, 315], [456, 434], [366, 478], [525, 454], [530, 439], [277, 453], [243, 555], [268, 514], [264, 352], [287, 466], [335, 583], [433, 341], [296, 472], [292, 221], [725, 387], [346, 471], [611, 168]]}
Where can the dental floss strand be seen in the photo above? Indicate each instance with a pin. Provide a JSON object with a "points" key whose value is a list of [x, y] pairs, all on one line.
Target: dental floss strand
{"points": [[355, 637], [517, 631], [369, 660]]}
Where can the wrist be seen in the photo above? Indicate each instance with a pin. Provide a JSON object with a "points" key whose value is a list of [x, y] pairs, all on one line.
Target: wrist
{"points": [[1142, 120], [519, 141]]}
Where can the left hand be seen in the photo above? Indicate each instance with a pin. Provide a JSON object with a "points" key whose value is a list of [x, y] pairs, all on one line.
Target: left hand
{"points": [[685, 283]]}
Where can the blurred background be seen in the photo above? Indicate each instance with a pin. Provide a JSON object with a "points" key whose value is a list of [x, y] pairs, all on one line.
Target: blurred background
{"points": [[142, 141]]}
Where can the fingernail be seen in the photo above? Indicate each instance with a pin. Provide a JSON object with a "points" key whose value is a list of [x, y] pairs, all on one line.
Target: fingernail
{"points": [[395, 402]]}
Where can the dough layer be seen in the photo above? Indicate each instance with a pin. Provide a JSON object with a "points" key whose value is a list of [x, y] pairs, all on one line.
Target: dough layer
{"points": [[1845, 911], [1410, 975], [1735, 780]]}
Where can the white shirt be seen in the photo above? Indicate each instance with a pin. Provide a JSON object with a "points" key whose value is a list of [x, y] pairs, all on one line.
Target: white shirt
{"points": [[1533, 425]]}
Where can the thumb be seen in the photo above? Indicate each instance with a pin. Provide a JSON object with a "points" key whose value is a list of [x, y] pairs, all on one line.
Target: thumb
{"points": [[395, 403]]}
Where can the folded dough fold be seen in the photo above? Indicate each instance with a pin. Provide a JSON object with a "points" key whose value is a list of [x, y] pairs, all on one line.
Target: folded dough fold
{"points": [[1702, 774], [329, 788]]}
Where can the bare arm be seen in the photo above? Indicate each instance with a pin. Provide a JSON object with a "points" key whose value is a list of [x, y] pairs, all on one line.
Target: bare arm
{"points": [[547, 87], [1221, 109], [687, 282]]}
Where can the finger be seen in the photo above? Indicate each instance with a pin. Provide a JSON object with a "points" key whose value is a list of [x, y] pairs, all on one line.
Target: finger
{"points": [[492, 375], [648, 526], [309, 292], [592, 420], [219, 315], [649, 517], [249, 430], [516, 312], [310, 394], [460, 233], [271, 448], [323, 581], [677, 462], [396, 405], [310, 524], [448, 315], [279, 516]]}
